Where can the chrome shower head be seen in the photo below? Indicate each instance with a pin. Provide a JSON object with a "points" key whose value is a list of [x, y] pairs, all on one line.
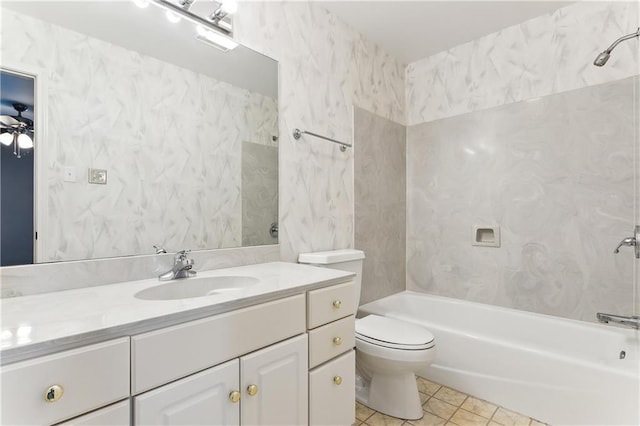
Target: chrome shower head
{"points": [[603, 57]]}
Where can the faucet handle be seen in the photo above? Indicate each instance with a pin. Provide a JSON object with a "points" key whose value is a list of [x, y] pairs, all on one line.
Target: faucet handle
{"points": [[182, 254], [629, 241]]}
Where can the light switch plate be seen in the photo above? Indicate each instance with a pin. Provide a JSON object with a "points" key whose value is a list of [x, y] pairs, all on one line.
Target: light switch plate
{"points": [[98, 176]]}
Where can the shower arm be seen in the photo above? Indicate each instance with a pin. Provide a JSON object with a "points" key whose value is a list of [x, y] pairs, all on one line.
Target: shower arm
{"points": [[621, 39]]}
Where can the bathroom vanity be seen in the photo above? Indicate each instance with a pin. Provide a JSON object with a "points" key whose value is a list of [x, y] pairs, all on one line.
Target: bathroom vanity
{"points": [[278, 351]]}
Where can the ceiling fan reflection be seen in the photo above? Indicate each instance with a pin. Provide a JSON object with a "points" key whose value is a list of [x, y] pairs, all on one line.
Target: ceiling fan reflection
{"points": [[16, 129]]}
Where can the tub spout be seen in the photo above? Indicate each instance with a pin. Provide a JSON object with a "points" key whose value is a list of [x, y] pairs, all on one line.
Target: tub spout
{"points": [[632, 321]]}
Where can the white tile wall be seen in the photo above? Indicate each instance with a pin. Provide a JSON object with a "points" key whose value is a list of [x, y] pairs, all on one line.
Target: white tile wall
{"points": [[548, 54]]}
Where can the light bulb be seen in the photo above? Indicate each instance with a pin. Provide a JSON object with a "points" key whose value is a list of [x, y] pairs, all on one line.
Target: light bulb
{"points": [[216, 39], [172, 17], [141, 3], [24, 141], [229, 7], [6, 138]]}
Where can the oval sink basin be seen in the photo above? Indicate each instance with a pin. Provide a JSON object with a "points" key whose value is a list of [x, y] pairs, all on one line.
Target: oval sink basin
{"points": [[189, 288]]}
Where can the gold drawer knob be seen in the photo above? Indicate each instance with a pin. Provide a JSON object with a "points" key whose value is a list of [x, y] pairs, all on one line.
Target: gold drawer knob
{"points": [[234, 396], [337, 341], [337, 380], [337, 304], [53, 393], [252, 390]]}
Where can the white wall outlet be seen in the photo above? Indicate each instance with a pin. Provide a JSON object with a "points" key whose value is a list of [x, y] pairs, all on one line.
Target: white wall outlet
{"points": [[98, 176], [69, 174]]}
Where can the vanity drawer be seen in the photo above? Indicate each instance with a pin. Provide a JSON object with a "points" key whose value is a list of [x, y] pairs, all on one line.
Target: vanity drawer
{"points": [[161, 356], [332, 392], [114, 415], [331, 340], [90, 377], [331, 303]]}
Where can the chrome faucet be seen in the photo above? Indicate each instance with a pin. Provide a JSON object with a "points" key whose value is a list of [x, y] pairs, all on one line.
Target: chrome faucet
{"points": [[631, 321], [631, 242], [181, 267]]}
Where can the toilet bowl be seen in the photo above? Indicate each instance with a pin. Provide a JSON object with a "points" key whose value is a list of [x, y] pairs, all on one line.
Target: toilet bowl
{"points": [[388, 351]]}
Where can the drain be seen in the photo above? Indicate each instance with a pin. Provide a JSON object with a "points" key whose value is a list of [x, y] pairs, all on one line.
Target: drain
{"points": [[623, 354]]}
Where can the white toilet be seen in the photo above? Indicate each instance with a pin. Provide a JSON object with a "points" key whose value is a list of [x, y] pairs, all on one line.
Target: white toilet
{"points": [[388, 351]]}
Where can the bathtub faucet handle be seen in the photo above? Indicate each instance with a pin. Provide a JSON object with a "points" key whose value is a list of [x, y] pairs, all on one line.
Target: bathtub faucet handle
{"points": [[631, 242]]}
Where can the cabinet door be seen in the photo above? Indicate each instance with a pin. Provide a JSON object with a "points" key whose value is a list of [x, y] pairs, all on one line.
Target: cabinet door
{"points": [[200, 399], [277, 378], [113, 415], [332, 391]]}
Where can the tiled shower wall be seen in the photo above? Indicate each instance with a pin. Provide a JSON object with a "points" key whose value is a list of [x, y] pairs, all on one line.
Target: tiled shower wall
{"points": [[545, 55], [556, 174], [519, 129], [380, 203], [259, 193]]}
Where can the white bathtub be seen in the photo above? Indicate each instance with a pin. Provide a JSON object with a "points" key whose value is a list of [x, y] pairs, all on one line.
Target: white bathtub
{"points": [[556, 370]]}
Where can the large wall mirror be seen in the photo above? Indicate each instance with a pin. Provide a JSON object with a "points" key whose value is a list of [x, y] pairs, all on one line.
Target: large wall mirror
{"points": [[143, 135]]}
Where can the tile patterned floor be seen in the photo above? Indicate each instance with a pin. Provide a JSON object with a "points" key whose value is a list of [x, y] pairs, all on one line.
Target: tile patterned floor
{"points": [[446, 406]]}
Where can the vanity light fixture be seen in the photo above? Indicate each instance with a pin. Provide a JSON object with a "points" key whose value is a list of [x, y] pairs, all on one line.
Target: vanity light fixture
{"points": [[215, 39], [186, 4], [227, 7], [180, 9]]}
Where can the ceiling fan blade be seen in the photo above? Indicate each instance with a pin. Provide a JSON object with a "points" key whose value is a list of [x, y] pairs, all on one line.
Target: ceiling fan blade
{"points": [[8, 120]]}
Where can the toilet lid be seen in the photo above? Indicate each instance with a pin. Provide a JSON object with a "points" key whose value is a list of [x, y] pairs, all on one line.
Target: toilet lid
{"points": [[393, 333]]}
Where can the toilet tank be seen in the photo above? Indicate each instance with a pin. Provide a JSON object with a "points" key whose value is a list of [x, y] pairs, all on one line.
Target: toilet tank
{"points": [[344, 260]]}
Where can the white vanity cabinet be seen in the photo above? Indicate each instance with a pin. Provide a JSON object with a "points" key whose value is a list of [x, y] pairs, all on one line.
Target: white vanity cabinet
{"points": [[331, 328], [266, 383], [285, 362], [266, 387]]}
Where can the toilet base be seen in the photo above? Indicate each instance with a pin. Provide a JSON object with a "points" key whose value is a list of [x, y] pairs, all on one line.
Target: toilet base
{"points": [[392, 394]]}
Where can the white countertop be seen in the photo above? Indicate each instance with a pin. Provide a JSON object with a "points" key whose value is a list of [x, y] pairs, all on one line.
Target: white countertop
{"points": [[47, 323]]}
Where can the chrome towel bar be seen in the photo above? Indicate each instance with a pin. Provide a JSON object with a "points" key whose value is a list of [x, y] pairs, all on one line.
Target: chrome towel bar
{"points": [[297, 134]]}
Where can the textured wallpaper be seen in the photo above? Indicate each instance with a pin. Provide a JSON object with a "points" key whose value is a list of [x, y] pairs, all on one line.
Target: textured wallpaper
{"points": [[326, 67], [548, 54], [169, 138], [380, 203], [556, 174]]}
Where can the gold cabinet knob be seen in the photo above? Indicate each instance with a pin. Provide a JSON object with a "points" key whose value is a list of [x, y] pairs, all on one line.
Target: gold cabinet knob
{"points": [[337, 341], [252, 390], [53, 393], [337, 380], [337, 304], [234, 396]]}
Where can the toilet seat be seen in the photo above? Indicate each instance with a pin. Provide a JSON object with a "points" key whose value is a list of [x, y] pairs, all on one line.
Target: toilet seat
{"points": [[393, 334]]}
